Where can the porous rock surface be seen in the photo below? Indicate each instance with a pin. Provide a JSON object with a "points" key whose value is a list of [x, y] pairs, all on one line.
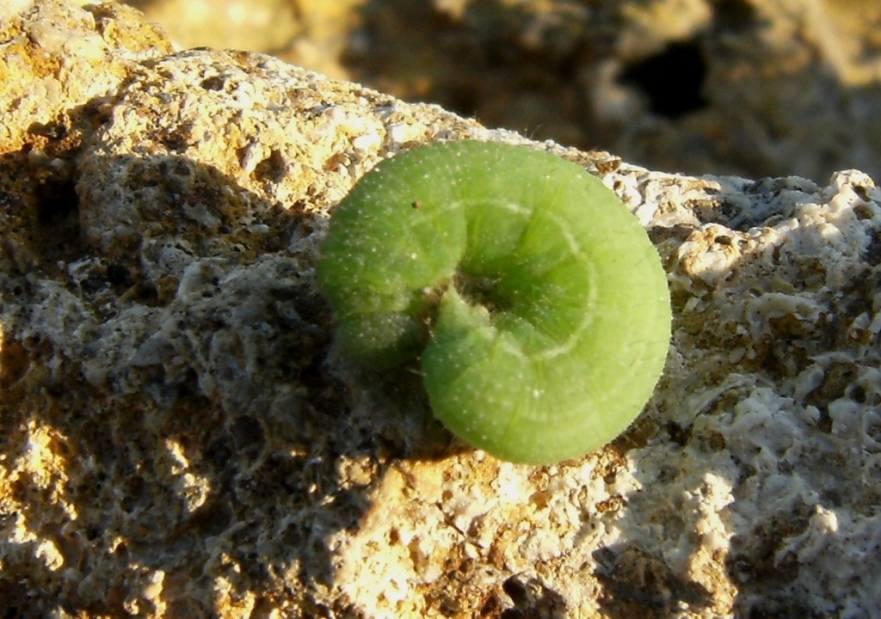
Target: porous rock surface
{"points": [[178, 439]]}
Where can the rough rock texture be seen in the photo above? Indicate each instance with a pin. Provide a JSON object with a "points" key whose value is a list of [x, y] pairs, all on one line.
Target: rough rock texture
{"points": [[750, 87], [177, 438]]}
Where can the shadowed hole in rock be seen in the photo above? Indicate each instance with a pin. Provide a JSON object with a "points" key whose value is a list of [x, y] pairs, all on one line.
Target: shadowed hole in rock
{"points": [[672, 80], [58, 227]]}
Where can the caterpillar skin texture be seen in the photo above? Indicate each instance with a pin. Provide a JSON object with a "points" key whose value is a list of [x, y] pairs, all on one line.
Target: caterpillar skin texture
{"points": [[536, 301]]}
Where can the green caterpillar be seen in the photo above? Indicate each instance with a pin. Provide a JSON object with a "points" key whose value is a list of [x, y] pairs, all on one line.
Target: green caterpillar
{"points": [[535, 300]]}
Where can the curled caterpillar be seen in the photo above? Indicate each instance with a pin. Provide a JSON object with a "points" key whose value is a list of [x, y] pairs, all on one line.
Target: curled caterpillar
{"points": [[535, 301]]}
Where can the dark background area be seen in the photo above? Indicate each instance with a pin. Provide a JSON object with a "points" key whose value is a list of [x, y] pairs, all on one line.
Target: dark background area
{"points": [[701, 86]]}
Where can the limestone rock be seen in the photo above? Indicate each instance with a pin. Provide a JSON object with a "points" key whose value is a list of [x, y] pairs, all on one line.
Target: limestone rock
{"points": [[177, 437], [749, 87]]}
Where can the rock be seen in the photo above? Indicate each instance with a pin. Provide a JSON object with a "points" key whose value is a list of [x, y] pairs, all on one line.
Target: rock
{"points": [[704, 86], [177, 437]]}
